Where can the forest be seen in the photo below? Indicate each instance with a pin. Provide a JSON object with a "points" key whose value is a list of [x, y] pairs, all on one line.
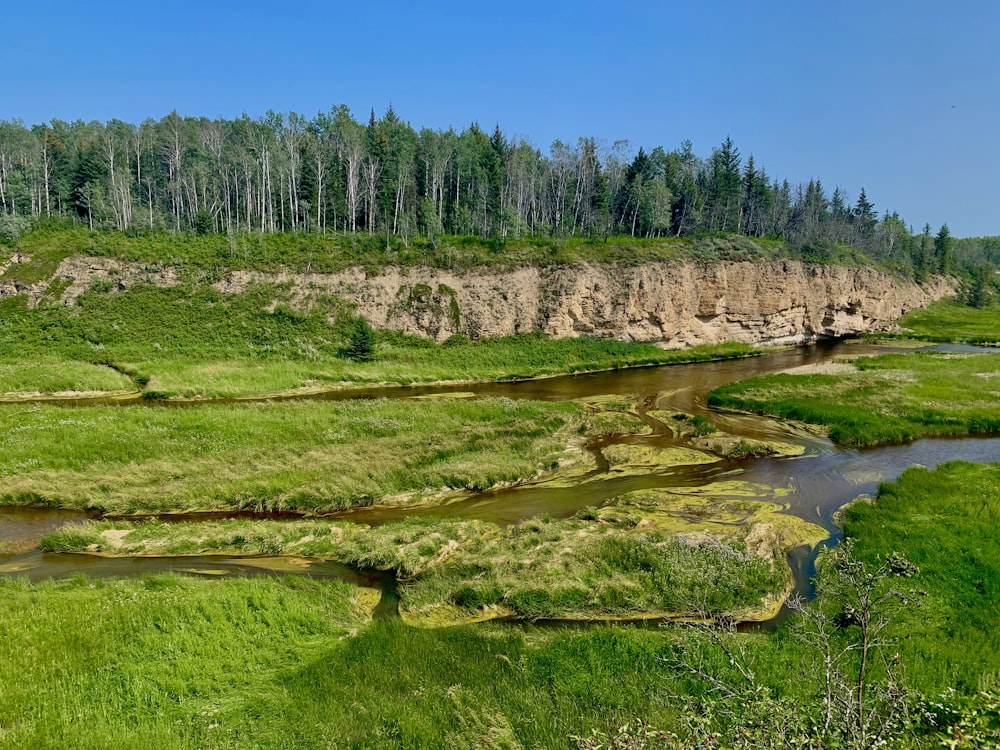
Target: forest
{"points": [[334, 174]]}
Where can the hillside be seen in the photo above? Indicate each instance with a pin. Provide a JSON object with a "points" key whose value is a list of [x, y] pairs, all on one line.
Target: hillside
{"points": [[675, 293]]}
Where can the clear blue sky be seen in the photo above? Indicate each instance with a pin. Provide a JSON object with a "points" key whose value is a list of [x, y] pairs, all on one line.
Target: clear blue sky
{"points": [[901, 97]]}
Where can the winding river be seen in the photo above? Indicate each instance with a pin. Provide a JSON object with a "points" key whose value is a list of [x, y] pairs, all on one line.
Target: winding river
{"points": [[813, 486]]}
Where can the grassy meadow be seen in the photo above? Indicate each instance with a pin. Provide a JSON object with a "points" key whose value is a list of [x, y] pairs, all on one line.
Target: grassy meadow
{"points": [[276, 456], [151, 662], [950, 321], [33, 377], [885, 399], [193, 341], [174, 662], [945, 522], [636, 560]]}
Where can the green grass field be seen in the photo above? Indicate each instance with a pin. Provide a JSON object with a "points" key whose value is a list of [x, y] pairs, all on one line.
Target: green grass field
{"points": [[171, 662], [289, 455], [174, 662], [32, 377], [945, 522], [195, 341], [951, 321], [886, 399], [150, 663]]}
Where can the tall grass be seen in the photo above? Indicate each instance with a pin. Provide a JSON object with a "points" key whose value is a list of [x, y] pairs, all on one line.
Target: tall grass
{"points": [[456, 570], [892, 398], [194, 341], [50, 377], [171, 662], [152, 662], [945, 522], [178, 663], [318, 455], [543, 569], [395, 687]]}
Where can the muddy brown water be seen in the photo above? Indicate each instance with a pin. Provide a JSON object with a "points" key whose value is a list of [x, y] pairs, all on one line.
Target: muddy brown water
{"points": [[813, 486]]}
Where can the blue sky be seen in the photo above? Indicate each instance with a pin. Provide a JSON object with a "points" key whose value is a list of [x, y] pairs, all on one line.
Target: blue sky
{"points": [[902, 98]]}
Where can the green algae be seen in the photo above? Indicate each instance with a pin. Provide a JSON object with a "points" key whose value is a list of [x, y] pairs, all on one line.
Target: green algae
{"points": [[625, 457]]}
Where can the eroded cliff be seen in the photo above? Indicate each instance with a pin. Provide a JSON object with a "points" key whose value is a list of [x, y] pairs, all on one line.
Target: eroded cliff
{"points": [[677, 304]]}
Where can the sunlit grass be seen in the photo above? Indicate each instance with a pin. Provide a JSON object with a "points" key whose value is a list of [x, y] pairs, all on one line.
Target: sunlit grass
{"points": [[456, 570], [945, 522], [170, 662], [951, 321], [150, 663], [887, 399], [46, 377], [274, 456]]}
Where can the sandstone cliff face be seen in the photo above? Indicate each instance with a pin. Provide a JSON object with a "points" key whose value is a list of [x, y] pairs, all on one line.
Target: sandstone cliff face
{"points": [[675, 304]]}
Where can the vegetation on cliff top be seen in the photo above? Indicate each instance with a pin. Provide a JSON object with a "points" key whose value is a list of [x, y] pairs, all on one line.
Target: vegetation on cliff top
{"points": [[391, 183]]}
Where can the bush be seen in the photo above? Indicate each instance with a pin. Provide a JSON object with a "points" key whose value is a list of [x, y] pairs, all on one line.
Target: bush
{"points": [[204, 223], [12, 227]]}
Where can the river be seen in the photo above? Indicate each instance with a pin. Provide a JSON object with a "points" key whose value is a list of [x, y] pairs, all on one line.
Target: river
{"points": [[813, 486]]}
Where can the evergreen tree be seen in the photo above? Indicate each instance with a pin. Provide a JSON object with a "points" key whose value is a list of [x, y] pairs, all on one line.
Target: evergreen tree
{"points": [[981, 290], [360, 345], [724, 189], [942, 249]]}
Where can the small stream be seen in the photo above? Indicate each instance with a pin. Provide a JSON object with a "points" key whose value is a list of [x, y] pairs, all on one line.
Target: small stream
{"points": [[814, 486]]}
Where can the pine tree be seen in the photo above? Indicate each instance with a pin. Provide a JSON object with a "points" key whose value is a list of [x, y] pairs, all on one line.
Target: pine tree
{"points": [[360, 341], [942, 249]]}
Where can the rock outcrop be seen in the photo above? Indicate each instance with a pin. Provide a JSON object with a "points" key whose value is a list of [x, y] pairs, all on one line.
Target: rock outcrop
{"points": [[675, 304]]}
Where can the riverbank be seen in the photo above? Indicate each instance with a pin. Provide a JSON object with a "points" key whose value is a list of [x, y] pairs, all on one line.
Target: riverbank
{"points": [[646, 555], [512, 360], [179, 662], [877, 400], [183, 317], [194, 342], [305, 456]]}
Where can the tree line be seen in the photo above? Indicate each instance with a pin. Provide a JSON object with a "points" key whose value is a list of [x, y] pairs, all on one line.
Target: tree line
{"points": [[287, 172]]}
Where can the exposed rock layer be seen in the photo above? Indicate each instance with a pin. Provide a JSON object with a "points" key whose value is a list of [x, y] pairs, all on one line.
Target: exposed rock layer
{"points": [[677, 304]]}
